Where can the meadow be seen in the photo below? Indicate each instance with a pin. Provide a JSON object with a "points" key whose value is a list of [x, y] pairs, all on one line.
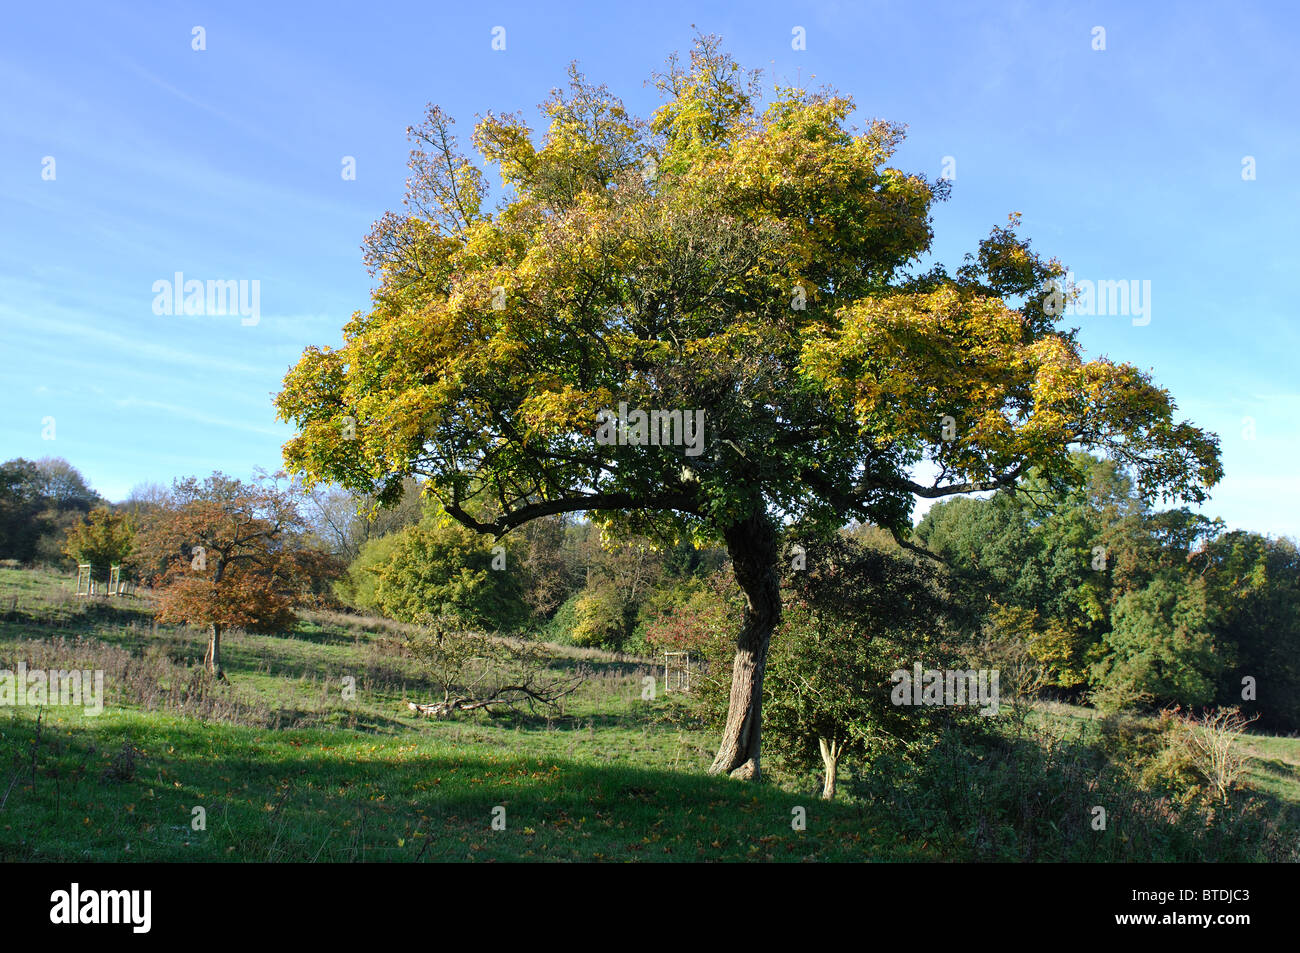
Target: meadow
{"points": [[308, 751]]}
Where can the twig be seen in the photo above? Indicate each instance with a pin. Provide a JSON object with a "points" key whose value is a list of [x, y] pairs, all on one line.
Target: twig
{"points": [[12, 782]]}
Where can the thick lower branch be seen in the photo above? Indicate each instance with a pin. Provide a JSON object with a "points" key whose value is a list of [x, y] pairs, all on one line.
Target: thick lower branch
{"points": [[593, 502]]}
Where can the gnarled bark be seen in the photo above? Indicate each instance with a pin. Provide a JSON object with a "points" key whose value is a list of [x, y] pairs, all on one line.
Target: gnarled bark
{"points": [[752, 545]]}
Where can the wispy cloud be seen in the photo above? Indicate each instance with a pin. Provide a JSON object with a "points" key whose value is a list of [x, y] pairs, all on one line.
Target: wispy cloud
{"points": [[137, 350], [187, 413]]}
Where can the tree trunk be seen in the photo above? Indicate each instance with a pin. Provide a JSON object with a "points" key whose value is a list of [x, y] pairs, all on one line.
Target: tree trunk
{"points": [[831, 760], [212, 660], [752, 545]]}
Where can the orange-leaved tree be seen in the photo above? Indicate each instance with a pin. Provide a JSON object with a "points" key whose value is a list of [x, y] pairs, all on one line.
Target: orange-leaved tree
{"points": [[738, 285], [223, 553]]}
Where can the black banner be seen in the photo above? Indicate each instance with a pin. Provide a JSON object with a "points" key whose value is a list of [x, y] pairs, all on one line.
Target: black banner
{"points": [[229, 902]]}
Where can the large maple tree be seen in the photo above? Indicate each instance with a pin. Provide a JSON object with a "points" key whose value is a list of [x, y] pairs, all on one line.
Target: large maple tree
{"points": [[759, 261]]}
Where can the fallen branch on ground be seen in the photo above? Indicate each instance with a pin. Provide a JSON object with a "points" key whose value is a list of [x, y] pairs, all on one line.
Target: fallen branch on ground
{"points": [[510, 696]]}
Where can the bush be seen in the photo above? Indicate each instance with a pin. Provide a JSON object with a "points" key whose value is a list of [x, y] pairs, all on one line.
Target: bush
{"points": [[601, 617], [472, 671], [559, 628], [1152, 753], [437, 568], [689, 616], [356, 587], [1034, 799]]}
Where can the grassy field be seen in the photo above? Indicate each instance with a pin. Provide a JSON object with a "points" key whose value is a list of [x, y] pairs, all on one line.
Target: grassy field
{"points": [[286, 768]]}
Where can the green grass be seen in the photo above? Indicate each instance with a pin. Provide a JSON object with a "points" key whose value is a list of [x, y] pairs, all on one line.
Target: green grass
{"points": [[612, 777], [347, 796], [1274, 766], [299, 773]]}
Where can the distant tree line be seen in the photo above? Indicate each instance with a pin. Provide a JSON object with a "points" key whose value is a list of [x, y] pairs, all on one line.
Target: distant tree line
{"points": [[39, 501], [1131, 606]]}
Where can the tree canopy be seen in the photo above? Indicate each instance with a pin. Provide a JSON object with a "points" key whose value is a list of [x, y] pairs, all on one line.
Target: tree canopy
{"points": [[39, 502]]}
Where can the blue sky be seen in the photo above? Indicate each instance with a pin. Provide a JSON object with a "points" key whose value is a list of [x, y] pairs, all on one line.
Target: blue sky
{"points": [[225, 163]]}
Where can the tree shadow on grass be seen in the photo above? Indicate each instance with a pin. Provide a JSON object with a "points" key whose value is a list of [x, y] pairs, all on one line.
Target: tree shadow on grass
{"points": [[642, 716], [76, 618], [318, 795], [602, 667], [316, 634]]}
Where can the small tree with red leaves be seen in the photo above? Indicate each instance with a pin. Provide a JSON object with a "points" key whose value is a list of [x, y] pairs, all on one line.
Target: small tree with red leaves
{"points": [[225, 555]]}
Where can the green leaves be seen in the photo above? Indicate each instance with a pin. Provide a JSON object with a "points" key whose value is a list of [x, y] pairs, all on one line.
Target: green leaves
{"points": [[1160, 645], [102, 538], [439, 569]]}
